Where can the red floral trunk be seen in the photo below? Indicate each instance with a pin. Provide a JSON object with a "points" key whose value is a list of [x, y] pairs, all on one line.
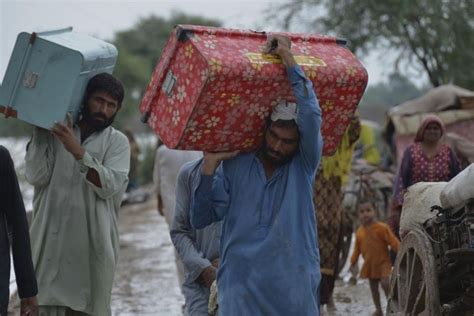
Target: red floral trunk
{"points": [[213, 89]]}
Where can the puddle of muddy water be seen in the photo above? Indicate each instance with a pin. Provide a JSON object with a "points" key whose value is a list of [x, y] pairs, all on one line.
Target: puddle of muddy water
{"points": [[146, 280], [353, 299]]}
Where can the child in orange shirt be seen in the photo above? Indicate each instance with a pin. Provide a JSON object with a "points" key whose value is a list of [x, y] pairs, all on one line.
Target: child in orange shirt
{"points": [[372, 241]]}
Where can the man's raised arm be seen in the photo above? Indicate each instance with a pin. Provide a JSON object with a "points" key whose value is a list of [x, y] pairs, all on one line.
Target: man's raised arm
{"points": [[211, 198], [309, 112]]}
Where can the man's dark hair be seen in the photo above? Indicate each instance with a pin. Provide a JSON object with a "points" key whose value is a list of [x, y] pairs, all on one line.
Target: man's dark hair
{"points": [[367, 200], [283, 124], [107, 83]]}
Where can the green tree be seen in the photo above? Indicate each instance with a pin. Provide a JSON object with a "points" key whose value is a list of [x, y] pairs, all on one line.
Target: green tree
{"points": [[139, 50], [435, 36], [12, 127], [380, 97]]}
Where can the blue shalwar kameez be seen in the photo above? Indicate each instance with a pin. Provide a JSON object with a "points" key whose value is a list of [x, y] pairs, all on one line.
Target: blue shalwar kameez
{"points": [[269, 253]]}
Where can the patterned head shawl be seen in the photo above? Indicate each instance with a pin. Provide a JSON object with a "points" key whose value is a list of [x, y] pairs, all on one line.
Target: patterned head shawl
{"points": [[431, 118]]}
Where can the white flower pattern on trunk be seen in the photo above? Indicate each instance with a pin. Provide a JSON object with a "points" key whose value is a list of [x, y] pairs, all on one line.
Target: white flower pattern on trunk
{"points": [[262, 112], [181, 93], [176, 117], [213, 121], [196, 136], [210, 44]]}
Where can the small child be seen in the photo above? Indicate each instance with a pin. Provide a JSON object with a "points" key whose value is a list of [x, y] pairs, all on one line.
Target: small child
{"points": [[372, 240]]}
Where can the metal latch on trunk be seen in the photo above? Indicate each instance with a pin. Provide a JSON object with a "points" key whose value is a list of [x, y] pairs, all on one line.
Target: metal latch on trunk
{"points": [[169, 83]]}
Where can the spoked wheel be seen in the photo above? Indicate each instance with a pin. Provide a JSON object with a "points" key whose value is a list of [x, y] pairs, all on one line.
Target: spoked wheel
{"points": [[414, 279]]}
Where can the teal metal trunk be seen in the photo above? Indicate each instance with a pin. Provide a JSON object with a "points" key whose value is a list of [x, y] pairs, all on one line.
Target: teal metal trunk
{"points": [[48, 73]]}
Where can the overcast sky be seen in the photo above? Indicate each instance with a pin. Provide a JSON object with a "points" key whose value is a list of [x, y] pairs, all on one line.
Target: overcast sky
{"points": [[103, 18]]}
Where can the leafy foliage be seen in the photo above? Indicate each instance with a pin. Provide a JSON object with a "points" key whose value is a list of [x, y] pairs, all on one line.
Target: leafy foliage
{"points": [[13, 127], [434, 36], [147, 164], [380, 97]]}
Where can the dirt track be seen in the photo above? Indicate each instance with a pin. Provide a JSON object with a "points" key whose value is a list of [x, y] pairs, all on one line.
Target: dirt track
{"points": [[146, 281]]}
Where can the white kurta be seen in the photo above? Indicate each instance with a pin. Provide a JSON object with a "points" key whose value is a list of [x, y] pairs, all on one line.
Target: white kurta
{"points": [[74, 233]]}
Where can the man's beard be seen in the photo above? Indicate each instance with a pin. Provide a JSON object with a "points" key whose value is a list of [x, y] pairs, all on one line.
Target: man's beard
{"points": [[95, 120], [274, 157]]}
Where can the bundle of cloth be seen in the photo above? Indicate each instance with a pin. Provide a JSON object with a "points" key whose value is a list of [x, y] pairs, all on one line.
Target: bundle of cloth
{"points": [[459, 190], [421, 196]]}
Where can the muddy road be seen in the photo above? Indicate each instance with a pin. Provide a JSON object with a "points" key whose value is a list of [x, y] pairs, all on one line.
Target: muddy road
{"points": [[146, 282]]}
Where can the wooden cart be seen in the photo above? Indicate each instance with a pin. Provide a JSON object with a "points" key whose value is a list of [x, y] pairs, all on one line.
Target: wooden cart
{"points": [[434, 270]]}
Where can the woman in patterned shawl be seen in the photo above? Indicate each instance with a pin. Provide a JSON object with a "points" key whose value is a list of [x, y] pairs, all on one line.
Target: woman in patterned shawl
{"points": [[427, 160]]}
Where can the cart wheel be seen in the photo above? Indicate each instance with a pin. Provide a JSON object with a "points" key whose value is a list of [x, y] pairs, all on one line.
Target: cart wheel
{"points": [[414, 279]]}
